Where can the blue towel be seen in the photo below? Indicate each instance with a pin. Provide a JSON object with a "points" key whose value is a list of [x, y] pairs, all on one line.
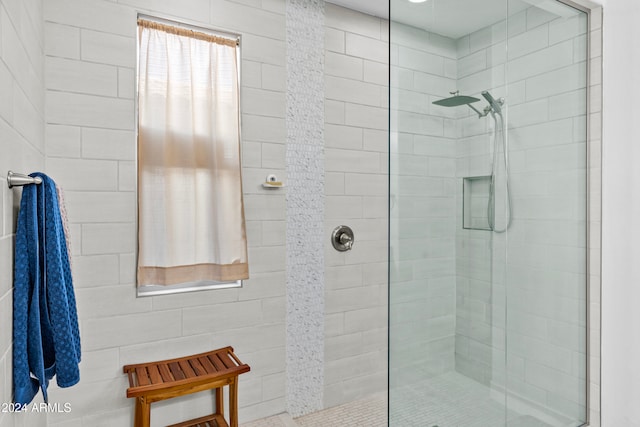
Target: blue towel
{"points": [[46, 338]]}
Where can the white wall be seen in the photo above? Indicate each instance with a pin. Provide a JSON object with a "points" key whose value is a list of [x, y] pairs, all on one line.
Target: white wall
{"points": [[620, 216], [21, 150]]}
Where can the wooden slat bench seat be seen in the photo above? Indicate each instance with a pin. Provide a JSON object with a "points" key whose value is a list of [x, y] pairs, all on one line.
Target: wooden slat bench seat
{"points": [[154, 381]]}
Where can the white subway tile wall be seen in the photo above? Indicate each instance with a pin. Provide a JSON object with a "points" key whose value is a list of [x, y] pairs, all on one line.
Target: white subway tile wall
{"points": [[85, 70], [89, 63], [22, 147], [356, 190]]}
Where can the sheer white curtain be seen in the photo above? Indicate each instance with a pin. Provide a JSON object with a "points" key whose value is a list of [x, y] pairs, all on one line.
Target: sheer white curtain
{"points": [[190, 210]]}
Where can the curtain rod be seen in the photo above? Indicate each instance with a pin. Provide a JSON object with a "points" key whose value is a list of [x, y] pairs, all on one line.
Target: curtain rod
{"points": [[187, 32]]}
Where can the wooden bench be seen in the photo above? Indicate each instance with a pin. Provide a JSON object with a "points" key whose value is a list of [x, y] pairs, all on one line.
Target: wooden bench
{"points": [[154, 381]]}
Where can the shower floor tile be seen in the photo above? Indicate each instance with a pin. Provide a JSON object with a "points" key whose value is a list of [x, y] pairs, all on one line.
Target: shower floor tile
{"points": [[447, 400], [453, 400], [282, 420], [369, 412]]}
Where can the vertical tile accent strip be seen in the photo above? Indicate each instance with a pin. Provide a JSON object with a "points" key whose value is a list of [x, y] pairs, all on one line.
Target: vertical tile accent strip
{"points": [[305, 205]]}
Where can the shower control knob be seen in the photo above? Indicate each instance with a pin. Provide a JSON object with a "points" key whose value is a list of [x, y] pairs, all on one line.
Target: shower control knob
{"points": [[342, 238], [346, 240]]}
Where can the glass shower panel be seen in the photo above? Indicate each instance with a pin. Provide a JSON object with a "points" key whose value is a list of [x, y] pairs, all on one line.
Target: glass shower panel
{"points": [[447, 334], [546, 262], [487, 306]]}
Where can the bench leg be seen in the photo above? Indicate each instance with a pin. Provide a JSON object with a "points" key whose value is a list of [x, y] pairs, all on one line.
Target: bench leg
{"points": [[143, 413], [219, 401], [233, 403]]}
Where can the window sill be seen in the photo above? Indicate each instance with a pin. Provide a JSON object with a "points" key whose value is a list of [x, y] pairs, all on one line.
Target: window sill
{"points": [[155, 290]]}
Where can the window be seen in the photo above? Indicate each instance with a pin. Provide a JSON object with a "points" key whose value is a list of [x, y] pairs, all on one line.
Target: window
{"points": [[191, 229]]}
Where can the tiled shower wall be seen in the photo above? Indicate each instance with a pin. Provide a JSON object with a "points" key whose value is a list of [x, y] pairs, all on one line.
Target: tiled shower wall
{"points": [[22, 150], [356, 152]]}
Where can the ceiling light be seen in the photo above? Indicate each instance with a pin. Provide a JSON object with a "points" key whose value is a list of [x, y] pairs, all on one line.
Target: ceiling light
{"points": [[417, 1]]}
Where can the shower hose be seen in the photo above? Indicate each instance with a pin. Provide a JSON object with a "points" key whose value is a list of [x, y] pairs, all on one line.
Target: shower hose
{"points": [[499, 136]]}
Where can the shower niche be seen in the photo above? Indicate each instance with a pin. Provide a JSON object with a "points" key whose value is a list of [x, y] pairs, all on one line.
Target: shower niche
{"points": [[475, 202], [488, 222]]}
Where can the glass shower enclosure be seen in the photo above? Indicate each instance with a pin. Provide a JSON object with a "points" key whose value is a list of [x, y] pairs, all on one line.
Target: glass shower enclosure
{"points": [[488, 213]]}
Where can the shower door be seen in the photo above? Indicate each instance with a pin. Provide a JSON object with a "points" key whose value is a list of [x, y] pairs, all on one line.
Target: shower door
{"points": [[488, 214]]}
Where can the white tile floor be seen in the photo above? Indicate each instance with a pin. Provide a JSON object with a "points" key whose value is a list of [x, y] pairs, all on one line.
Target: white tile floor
{"points": [[282, 420], [448, 400], [369, 412]]}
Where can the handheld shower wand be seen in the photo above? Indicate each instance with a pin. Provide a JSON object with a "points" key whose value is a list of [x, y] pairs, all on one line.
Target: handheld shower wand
{"points": [[495, 104], [495, 108]]}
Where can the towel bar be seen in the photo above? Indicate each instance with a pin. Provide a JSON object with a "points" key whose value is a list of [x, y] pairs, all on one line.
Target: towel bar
{"points": [[18, 179]]}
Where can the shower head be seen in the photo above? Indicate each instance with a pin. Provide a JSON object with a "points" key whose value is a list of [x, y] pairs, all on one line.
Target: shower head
{"points": [[456, 100], [496, 105]]}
